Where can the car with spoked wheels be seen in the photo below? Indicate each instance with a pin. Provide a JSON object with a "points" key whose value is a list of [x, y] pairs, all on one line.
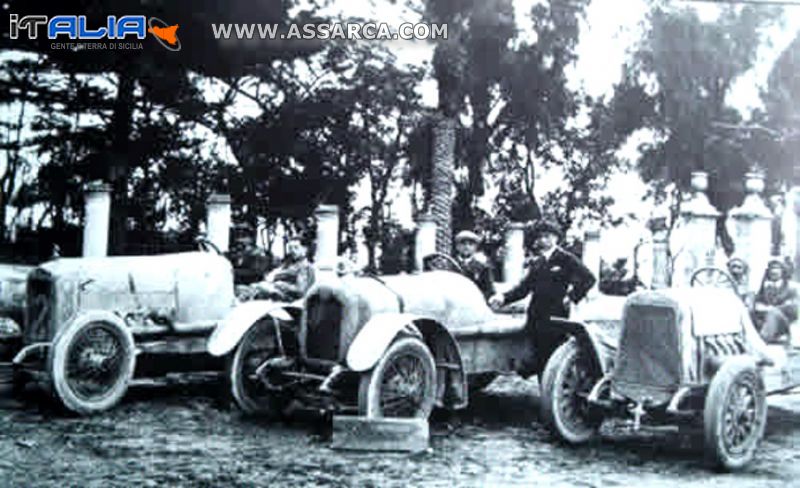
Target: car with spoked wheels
{"points": [[686, 356], [92, 325], [376, 346]]}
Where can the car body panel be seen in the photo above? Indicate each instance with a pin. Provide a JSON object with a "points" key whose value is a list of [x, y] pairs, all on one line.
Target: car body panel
{"points": [[230, 331]]}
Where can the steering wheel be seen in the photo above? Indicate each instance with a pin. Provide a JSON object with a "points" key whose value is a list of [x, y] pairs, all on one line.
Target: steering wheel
{"points": [[204, 244], [441, 261], [711, 276]]}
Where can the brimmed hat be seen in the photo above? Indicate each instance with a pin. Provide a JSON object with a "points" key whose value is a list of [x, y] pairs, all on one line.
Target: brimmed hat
{"points": [[546, 226], [466, 235]]}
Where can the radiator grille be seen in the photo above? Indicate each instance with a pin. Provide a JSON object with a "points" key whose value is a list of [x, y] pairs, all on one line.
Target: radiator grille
{"points": [[649, 355], [323, 327], [39, 314]]}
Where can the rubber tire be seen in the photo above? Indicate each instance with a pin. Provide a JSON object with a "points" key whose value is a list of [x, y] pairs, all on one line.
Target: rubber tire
{"points": [[57, 358], [270, 409], [728, 375], [553, 374], [369, 384]]}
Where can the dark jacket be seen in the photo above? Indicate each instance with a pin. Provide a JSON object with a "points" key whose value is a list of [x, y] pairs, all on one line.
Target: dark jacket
{"points": [[784, 297], [549, 280], [479, 272]]}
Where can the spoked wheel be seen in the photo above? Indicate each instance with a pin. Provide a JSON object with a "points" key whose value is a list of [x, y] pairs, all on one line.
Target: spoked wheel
{"points": [[566, 383], [711, 276], [735, 415], [250, 393], [91, 363], [402, 384]]}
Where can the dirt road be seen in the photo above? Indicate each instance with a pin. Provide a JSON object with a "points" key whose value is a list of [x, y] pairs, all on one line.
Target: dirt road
{"points": [[181, 435]]}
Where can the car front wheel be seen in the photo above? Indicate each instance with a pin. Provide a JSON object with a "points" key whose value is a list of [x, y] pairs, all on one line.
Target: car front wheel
{"points": [[91, 363], [566, 384], [248, 391], [735, 414], [402, 383]]}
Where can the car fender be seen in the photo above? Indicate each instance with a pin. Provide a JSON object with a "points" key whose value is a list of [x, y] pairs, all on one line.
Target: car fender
{"points": [[373, 339], [590, 338], [230, 331], [378, 333]]}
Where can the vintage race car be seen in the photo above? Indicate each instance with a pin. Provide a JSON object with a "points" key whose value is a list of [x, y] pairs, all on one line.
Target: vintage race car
{"points": [[92, 323], [391, 346], [687, 356]]}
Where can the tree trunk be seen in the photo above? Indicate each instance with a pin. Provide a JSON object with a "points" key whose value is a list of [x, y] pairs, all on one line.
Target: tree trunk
{"points": [[444, 138], [118, 166]]}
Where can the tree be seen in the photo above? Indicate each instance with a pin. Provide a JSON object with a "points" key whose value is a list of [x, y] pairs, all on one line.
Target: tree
{"points": [[386, 109], [774, 134], [688, 66], [157, 73]]}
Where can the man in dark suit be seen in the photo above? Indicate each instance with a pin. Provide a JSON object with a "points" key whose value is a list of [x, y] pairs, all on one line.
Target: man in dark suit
{"points": [[555, 278], [473, 265]]}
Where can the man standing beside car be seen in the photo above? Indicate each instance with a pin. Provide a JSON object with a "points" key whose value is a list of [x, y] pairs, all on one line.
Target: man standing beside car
{"points": [[473, 264], [555, 278]]}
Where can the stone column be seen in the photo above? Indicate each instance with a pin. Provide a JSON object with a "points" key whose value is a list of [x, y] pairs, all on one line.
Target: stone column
{"points": [[661, 266], [591, 258], [327, 249], [97, 209], [514, 255], [442, 191], [752, 228], [698, 232], [425, 240], [218, 220], [791, 228]]}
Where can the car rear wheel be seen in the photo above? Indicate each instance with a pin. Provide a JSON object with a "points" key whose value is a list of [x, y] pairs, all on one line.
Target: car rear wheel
{"points": [[735, 414], [402, 384], [248, 391], [566, 383], [91, 363]]}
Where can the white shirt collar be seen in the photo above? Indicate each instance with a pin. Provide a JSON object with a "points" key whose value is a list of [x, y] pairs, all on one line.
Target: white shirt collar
{"points": [[549, 253]]}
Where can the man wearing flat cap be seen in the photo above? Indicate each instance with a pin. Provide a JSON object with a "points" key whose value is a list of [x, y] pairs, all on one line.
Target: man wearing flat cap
{"points": [[555, 278], [474, 265]]}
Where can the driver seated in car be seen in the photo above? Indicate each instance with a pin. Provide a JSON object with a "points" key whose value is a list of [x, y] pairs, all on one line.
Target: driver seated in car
{"points": [[473, 264], [776, 302], [739, 271], [289, 281]]}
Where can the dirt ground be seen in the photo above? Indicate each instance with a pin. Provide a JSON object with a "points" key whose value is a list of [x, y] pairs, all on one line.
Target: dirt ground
{"points": [[181, 434]]}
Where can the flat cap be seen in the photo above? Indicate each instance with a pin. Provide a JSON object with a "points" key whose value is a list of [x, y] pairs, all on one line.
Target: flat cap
{"points": [[466, 235]]}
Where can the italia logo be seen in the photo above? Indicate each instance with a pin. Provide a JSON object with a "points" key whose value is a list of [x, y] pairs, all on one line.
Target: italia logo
{"points": [[75, 27]]}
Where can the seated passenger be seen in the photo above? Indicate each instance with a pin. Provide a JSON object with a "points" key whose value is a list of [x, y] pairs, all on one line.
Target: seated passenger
{"points": [[289, 281], [474, 265], [776, 302], [739, 271]]}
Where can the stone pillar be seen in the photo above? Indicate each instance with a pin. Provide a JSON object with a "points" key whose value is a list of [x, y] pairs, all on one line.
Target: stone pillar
{"points": [[425, 241], [661, 266], [698, 233], [752, 228], [591, 258], [96, 220], [218, 220], [514, 255], [442, 189], [327, 249], [791, 228]]}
